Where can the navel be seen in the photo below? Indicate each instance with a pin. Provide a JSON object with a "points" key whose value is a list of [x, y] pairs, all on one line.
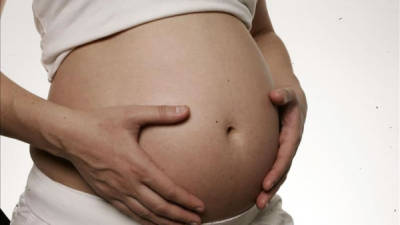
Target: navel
{"points": [[229, 130]]}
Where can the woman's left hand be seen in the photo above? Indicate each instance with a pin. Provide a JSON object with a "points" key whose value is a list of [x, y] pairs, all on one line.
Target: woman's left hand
{"points": [[292, 105]]}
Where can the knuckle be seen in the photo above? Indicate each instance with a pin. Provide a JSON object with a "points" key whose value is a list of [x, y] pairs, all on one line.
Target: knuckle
{"points": [[118, 206], [102, 188], [114, 184], [145, 178], [162, 111], [280, 157], [161, 209], [274, 174], [279, 170], [131, 112], [145, 215], [144, 173], [148, 180], [129, 191], [138, 171], [172, 194]]}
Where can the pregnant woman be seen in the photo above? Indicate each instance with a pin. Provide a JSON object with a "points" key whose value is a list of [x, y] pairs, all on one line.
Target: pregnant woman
{"points": [[106, 147]]}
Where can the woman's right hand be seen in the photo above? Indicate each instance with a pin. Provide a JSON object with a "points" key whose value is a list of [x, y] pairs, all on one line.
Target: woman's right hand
{"points": [[103, 146]]}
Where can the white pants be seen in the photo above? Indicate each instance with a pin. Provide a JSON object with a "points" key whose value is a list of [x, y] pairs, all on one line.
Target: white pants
{"points": [[47, 202]]}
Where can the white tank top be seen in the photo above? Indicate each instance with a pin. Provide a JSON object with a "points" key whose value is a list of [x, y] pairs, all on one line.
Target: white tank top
{"points": [[66, 24]]}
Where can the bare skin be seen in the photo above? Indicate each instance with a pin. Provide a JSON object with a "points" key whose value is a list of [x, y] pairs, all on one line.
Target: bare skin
{"points": [[230, 140], [287, 95], [68, 175]]}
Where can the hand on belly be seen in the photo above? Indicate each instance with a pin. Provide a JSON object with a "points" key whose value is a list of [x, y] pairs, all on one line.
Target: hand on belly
{"points": [[220, 154], [223, 151], [102, 145]]}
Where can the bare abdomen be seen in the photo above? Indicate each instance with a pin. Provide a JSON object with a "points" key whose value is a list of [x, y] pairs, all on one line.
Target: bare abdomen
{"points": [[207, 61]]}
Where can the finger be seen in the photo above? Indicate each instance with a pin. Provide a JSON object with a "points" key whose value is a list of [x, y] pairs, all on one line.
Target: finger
{"points": [[264, 197], [161, 207], [282, 96], [261, 200], [280, 167], [106, 190], [145, 213], [159, 114], [124, 209], [160, 183], [289, 140], [275, 189]]}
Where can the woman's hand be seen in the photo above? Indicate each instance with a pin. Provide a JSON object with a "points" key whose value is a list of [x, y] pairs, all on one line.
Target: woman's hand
{"points": [[292, 105], [104, 149]]}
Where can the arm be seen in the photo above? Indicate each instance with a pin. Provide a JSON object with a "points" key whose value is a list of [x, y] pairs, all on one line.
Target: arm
{"points": [[286, 94], [29, 118], [2, 2], [273, 49], [88, 137]]}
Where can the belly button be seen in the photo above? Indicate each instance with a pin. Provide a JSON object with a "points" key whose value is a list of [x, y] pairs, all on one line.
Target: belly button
{"points": [[229, 130]]}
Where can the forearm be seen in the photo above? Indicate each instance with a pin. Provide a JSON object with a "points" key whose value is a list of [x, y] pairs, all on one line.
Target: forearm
{"points": [[277, 58], [2, 3], [29, 118]]}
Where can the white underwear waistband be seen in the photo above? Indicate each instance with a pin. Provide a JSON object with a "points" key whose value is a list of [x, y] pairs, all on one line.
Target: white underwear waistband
{"points": [[62, 205]]}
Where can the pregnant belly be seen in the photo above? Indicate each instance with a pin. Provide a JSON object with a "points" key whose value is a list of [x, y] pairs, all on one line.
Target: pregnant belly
{"points": [[207, 61]]}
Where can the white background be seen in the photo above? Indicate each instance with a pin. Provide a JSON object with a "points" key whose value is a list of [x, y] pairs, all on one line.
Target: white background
{"points": [[345, 54]]}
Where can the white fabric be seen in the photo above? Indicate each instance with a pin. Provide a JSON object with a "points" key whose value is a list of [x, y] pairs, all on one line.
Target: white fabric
{"points": [[47, 202], [66, 24]]}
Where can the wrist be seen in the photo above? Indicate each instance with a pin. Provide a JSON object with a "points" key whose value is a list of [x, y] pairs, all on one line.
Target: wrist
{"points": [[57, 124], [40, 122]]}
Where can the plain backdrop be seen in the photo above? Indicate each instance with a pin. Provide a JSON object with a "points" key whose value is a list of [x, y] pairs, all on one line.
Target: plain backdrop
{"points": [[345, 54]]}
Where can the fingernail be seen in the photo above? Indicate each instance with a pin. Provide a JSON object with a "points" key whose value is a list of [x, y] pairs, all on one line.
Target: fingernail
{"points": [[263, 203], [180, 109]]}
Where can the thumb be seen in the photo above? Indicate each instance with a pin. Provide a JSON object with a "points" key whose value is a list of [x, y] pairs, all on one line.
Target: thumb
{"points": [[159, 114], [280, 96]]}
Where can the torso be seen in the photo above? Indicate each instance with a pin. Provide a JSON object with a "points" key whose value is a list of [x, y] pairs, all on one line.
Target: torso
{"points": [[207, 61]]}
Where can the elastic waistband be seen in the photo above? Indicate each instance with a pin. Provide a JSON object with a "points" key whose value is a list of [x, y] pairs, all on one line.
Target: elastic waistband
{"points": [[243, 218], [59, 204]]}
